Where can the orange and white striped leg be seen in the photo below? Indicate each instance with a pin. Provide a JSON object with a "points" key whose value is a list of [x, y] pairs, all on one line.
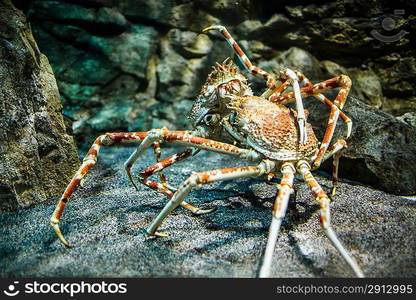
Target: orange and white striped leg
{"points": [[335, 151], [89, 161], [279, 211], [187, 139], [325, 216], [344, 83], [197, 179], [339, 102], [164, 189], [319, 96], [272, 83], [130, 162], [256, 71], [158, 154]]}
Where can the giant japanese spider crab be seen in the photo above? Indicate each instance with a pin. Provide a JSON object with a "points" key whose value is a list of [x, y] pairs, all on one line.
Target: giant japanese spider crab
{"points": [[262, 129]]}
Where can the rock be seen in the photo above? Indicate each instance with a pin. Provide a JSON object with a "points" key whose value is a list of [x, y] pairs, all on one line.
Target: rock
{"points": [[257, 51], [187, 15], [293, 58], [129, 51], [158, 11], [409, 118], [180, 78], [249, 29], [101, 75], [230, 12], [106, 220], [381, 150], [385, 146], [37, 156], [332, 69], [366, 86], [301, 60], [396, 74], [190, 44], [106, 20]]}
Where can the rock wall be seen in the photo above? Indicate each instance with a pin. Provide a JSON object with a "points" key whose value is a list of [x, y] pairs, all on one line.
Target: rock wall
{"points": [[135, 65], [37, 155], [121, 64]]}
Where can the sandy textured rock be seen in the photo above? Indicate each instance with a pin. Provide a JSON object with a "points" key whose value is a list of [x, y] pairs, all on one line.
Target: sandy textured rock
{"points": [[37, 155], [106, 220]]}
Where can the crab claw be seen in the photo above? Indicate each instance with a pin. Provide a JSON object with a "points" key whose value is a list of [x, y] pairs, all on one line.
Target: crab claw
{"points": [[55, 226]]}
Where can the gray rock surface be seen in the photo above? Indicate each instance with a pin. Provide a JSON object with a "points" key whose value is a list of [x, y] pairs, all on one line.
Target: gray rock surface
{"points": [[37, 154], [381, 150], [106, 220]]}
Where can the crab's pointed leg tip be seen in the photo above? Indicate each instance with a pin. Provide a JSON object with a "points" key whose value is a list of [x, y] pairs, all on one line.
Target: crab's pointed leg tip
{"points": [[334, 190], [60, 235], [264, 273], [205, 211], [157, 234], [213, 27]]}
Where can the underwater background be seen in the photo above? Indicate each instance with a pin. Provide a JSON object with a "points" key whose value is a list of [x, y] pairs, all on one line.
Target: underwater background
{"points": [[137, 65], [71, 70]]}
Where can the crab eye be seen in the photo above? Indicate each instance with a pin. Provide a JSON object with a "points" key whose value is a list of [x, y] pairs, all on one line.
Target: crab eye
{"points": [[210, 118]]}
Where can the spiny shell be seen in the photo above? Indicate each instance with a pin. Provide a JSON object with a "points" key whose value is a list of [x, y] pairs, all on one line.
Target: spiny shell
{"points": [[272, 129]]}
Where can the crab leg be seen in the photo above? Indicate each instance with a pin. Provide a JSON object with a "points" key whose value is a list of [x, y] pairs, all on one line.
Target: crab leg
{"points": [[336, 152], [146, 139], [323, 200], [319, 96], [342, 81], [88, 162], [128, 165], [200, 178], [279, 211], [272, 83], [158, 153], [292, 78], [162, 188]]}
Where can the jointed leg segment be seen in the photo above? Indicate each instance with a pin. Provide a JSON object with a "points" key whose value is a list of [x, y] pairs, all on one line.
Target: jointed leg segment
{"points": [[197, 179], [162, 188], [325, 218], [146, 139], [279, 211], [88, 162], [288, 76], [316, 90]]}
